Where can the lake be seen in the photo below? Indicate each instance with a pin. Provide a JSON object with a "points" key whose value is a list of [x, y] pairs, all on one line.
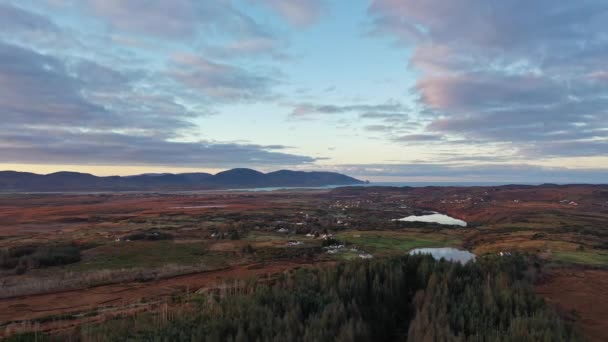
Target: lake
{"points": [[435, 218], [447, 253]]}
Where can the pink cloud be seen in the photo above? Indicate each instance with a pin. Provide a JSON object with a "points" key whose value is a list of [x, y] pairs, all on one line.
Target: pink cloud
{"points": [[298, 13], [601, 75], [487, 91], [164, 18]]}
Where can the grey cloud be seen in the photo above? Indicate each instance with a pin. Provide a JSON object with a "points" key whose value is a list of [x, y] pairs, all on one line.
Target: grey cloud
{"points": [[298, 13], [13, 19], [503, 173], [378, 128], [496, 26], [307, 109], [24, 27], [510, 72], [77, 102], [488, 90], [248, 47], [41, 90], [452, 157], [570, 148], [418, 138], [62, 146], [387, 117], [175, 19], [219, 28], [78, 111], [37, 89], [102, 77], [220, 81]]}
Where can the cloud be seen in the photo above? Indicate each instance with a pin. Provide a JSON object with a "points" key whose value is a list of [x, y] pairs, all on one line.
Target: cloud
{"points": [[174, 19], [45, 91], [23, 27], [219, 81], [501, 173], [297, 13], [600, 75], [496, 25], [309, 109], [249, 47], [378, 128], [418, 138], [67, 147], [26, 75], [79, 111], [506, 71], [473, 90], [219, 27], [390, 118], [17, 19]]}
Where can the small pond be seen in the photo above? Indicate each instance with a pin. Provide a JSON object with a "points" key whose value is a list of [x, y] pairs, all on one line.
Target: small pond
{"points": [[447, 253], [435, 218]]}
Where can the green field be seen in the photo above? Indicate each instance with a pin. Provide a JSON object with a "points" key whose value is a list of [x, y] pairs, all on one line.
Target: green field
{"points": [[390, 243], [270, 236], [594, 258]]}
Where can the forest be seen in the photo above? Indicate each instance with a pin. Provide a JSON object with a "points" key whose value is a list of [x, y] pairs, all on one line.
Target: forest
{"points": [[406, 298]]}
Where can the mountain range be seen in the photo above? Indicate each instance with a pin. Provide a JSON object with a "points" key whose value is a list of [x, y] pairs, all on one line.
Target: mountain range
{"points": [[13, 181]]}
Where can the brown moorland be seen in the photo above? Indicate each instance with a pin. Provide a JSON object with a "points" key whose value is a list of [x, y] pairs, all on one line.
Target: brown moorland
{"points": [[138, 251]]}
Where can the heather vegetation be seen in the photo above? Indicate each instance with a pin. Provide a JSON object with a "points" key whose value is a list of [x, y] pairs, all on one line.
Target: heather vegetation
{"points": [[149, 236]]}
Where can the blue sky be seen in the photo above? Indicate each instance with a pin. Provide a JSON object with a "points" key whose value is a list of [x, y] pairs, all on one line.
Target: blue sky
{"points": [[470, 90]]}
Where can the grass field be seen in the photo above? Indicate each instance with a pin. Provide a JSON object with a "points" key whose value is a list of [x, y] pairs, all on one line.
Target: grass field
{"points": [[590, 257], [268, 236], [391, 242]]}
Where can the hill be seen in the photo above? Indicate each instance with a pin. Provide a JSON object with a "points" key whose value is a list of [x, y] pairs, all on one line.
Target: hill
{"points": [[11, 181]]}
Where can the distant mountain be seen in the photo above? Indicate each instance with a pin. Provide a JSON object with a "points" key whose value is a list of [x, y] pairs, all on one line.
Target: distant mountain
{"points": [[11, 181], [240, 177]]}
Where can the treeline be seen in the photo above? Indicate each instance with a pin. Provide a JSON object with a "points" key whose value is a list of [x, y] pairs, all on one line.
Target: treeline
{"points": [[410, 298]]}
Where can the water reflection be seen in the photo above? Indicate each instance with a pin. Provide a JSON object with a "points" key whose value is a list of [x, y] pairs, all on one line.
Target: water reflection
{"points": [[447, 253]]}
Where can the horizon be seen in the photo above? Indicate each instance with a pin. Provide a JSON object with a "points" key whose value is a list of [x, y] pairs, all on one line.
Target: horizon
{"points": [[382, 90], [381, 181]]}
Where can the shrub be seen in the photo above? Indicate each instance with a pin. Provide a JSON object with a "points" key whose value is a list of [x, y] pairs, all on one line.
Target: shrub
{"points": [[538, 236], [149, 236], [247, 249], [22, 258], [234, 235], [331, 242], [19, 251], [47, 256], [21, 267]]}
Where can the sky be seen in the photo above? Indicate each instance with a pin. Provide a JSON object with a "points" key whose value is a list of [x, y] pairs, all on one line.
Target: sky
{"points": [[384, 90]]}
